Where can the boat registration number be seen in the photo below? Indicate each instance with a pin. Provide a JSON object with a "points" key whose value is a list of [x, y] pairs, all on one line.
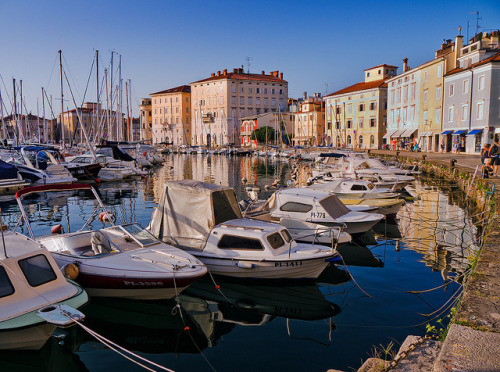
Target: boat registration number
{"points": [[288, 264], [142, 284], [318, 215]]}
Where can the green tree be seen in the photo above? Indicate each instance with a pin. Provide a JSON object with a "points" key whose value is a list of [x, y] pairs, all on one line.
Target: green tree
{"points": [[260, 134]]}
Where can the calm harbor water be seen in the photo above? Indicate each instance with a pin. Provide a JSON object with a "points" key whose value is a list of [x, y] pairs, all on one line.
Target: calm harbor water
{"points": [[332, 323]]}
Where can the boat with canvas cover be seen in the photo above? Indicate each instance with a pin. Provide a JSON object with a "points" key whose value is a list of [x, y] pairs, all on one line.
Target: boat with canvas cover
{"points": [[123, 261], [35, 297], [205, 220]]}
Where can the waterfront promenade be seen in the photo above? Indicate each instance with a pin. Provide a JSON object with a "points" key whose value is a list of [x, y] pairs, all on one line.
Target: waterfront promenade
{"points": [[473, 340]]}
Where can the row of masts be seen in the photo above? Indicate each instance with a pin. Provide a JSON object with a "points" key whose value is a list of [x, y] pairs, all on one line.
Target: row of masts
{"points": [[106, 123]]}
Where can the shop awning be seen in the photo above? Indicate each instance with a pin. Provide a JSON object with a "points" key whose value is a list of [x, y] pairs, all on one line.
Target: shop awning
{"points": [[389, 134], [459, 132], [408, 133], [475, 131], [446, 132], [425, 134], [398, 133]]}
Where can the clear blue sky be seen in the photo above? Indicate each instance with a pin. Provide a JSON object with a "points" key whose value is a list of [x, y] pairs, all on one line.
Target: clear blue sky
{"points": [[318, 45]]}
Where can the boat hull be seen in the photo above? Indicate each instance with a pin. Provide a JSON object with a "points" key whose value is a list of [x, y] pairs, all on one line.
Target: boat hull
{"points": [[266, 269], [135, 288]]}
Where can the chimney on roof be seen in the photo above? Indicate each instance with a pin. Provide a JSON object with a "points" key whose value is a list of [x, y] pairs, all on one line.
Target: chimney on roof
{"points": [[212, 74], [224, 72], [241, 70], [304, 95], [235, 70], [262, 72], [405, 64], [281, 75], [459, 43], [218, 73]]}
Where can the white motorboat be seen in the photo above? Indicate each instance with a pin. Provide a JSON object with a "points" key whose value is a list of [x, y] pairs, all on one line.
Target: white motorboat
{"points": [[351, 188], [35, 297], [320, 209], [121, 260], [205, 220], [38, 171]]}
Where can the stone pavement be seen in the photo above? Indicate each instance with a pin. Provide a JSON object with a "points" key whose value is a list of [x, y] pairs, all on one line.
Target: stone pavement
{"points": [[473, 341]]}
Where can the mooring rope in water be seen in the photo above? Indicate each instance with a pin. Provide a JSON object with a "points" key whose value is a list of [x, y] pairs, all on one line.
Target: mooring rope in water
{"points": [[119, 349]]}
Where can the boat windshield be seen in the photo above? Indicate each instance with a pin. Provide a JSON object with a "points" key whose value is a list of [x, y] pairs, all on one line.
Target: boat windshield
{"points": [[286, 235], [276, 240], [140, 234]]}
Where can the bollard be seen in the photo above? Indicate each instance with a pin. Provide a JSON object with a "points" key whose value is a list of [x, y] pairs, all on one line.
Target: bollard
{"points": [[423, 156], [452, 163]]}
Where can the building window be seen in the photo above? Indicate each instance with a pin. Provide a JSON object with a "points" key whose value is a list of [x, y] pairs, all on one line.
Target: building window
{"points": [[372, 122], [249, 100], [465, 110], [273, 102], [265, 90], [426, 93], [465, 87], [349, 124], [481, 83], [361, 107], [480, 108], [233, 100], [233, 89], [273, 91], [242, 89], [438, 115], [439, 71], [257, 100], [265, 102], [360, 122], [372, 141], [451, 110], [257, 90], [452, 90], [426, 76], [438, 93], [242, 100], [249, 89], [281, 91]]}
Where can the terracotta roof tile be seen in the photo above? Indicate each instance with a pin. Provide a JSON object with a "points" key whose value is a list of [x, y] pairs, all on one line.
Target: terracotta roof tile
{"points": [[181, 89], [242, 76], [360, 87], [493, 58]]}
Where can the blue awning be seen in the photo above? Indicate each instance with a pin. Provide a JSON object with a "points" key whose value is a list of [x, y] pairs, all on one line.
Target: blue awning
{"points": [[446, 132], [458, 132], [475, 131]]}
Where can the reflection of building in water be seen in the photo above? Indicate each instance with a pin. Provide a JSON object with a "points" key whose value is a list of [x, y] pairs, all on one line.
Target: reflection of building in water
{"points": [[439, 230]]}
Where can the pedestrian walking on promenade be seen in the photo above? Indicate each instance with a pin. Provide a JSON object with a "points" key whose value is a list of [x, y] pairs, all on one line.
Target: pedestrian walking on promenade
{"points": [[495, 156], [442, 146], [485, 158]]}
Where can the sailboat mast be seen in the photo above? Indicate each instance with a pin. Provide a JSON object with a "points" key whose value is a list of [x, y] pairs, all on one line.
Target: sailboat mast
{"points": [[111, 95], [107, 105], [128, 116], [44, 122], [62, 101], [96, 126], [16, 132], [1, 114], [119, 120]]}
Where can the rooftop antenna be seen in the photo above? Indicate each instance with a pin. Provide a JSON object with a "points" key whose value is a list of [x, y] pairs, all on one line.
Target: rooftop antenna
{"points": [[248, 59], [477, 24]]}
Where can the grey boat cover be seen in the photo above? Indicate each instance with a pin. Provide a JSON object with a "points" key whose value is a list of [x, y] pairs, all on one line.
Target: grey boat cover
{"points": [[188, 210]]}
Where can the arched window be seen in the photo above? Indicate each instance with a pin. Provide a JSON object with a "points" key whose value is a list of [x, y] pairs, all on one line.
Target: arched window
{"points": [[360, 141], [372, 141], [349, 141], [338, 141]]}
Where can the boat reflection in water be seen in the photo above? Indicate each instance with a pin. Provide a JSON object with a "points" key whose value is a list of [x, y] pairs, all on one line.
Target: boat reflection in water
{"points": [[439, 229], [51, 357], [208, 313]]}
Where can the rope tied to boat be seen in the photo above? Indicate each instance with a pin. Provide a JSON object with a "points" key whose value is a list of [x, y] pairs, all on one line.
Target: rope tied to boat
{"points": [[127, 354]]}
